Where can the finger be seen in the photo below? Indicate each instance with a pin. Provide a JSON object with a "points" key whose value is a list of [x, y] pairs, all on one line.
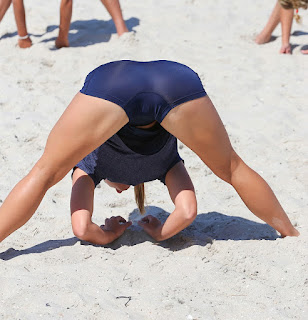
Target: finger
{"points": [[151, 218], [127, 224], [145, 219], [142, 224], [124, 226], [145, 226], [120, 219]]}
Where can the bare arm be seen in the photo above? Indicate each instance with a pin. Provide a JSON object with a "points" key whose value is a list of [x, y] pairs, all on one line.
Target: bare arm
{"points": [[82, 209], [182, 193]]}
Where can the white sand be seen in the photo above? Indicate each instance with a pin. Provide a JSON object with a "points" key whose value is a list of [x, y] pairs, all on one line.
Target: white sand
{"points": [[228, 264]]}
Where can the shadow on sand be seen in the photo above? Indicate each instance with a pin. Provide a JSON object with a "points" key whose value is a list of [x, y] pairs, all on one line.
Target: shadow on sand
{"points": [[39, 248], [297, 33], [84, 33], [207, 228], [305, 47]]}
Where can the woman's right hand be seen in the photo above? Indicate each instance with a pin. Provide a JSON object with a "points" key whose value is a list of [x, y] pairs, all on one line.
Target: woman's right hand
{"points": [[116, 225]]}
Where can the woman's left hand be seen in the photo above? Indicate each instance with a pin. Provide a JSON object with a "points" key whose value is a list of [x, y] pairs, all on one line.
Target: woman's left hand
{"points": [[152, 226]]}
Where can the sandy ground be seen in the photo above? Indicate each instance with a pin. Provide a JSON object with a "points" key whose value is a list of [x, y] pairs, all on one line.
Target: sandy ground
{"points": [[228, 264]]}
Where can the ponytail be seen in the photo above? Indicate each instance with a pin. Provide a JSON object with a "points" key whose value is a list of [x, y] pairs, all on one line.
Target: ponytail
{"points": [[139, 197]]}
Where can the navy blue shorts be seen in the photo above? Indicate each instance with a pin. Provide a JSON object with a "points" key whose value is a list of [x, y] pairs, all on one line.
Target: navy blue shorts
{"points": [[146, 91]]}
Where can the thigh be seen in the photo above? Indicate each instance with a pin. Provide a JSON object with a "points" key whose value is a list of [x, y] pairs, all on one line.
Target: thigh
{"points": [[85, 124], [197, 124]]}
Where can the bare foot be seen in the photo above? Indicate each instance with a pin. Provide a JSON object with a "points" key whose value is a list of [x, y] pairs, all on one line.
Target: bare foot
{"points": [[304, 51], [122, 30], [286, 49], [62, 43], [263, 37], [24, 43], [292, 233]]}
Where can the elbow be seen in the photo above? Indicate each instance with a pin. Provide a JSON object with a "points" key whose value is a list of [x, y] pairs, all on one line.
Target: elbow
{"points": [[189, 212], [186, 205], [81, 231], [191, 215]]}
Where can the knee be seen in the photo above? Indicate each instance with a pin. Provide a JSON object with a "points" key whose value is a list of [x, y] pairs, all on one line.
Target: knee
{"points": [[236, 162], [46, 172], [230, 167]]}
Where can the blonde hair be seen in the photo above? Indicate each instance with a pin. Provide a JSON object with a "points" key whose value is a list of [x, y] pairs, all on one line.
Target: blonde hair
{"points": [[294, 4], [140, 196]]}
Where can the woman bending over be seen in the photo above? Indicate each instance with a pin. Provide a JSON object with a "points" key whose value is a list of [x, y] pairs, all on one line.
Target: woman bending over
{"points": [[130, 113]]}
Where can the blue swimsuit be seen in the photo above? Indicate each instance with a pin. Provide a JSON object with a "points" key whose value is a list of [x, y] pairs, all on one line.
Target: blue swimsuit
{"points": [[146, 91]]}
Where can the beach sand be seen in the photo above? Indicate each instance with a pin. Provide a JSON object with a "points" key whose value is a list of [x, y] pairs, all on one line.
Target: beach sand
{"points": [[228, 264]]}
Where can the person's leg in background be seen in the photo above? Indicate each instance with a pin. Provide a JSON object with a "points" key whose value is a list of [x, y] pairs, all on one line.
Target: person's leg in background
{"points": [[4, 5], [286, 19], [24, 40], [265, 35], [114, 9], [66, 9]]}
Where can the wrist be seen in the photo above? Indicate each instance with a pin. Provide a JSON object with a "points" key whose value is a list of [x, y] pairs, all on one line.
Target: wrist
{"points": [[109, 235], [158, 234]]}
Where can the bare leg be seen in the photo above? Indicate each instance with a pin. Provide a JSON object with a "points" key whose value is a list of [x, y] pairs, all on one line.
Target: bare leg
{"points": [[286, 17], [20, 18], [197, 125], [66, 9], [304, 51], [78, 132], [4, 5], [265, 35], [114, 9]]}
